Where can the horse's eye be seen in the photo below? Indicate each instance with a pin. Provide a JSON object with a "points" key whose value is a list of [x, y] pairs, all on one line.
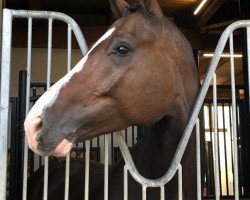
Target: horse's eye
{"points": [[122, 50]]}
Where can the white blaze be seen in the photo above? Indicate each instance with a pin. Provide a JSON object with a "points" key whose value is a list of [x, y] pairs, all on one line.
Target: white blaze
{"points": [[49, 97]]}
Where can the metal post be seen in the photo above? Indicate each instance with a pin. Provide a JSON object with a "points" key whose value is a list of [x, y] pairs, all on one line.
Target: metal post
{"points": [[162, 192], [87, 155], [248, 62], [46, 159], [215, 126], [4, 99], [235, 145], [106, 165], [46, 176], [69, 53], [25, 166], [180, 196], [67, 171], [144, 192], [125, 192], [198, 159]]}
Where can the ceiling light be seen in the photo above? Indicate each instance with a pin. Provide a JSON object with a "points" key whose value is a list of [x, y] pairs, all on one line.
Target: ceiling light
{"points": [[224, 55], [200, 7]]}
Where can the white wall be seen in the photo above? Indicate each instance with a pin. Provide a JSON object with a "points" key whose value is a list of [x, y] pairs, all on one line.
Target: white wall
{"points": [[39, 65]]}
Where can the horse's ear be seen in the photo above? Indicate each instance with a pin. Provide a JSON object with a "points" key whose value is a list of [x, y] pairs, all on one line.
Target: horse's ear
{"points": [[153, 7], [118, 7]]}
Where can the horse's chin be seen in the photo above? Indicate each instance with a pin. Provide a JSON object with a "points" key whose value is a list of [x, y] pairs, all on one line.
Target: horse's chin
{"points": [[62, 149]]}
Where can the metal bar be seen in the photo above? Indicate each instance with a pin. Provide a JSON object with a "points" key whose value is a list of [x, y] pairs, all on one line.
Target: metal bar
{"points": [[87, 155], [235, 146], [57, 16], [66, 190], [225, 147], [180, 196], [69, 52], [125, 192], [218, 142], [198, 159], [215, 126], [144, 192], [162, 193], [49, 53], [67, 172], [106, 165], [46, 159], [25, 165], [46, 175], [4, 98], [26, 151], [248, 62]]}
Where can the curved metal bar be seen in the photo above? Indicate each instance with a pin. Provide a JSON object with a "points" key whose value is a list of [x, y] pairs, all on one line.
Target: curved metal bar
{"points": [[193, 117], [57, 16]]}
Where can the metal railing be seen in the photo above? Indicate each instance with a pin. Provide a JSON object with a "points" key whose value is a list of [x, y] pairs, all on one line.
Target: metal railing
{"points": [[175, 166], [8, 16]]}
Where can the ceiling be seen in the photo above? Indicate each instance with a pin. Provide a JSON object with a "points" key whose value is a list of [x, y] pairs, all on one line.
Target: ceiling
{"points": [[202, 30]]}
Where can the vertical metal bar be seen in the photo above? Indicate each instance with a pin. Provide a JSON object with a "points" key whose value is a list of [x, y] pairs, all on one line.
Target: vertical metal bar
{"points": [[225, 147], [87, 155], [106, 163], [236, 184], [46, 159], [231, 135], [219, 161], [180, 197], [4, 98], [67, 172], [144, 192], [198, 159], [69, 53], [49, 52], [125, 192], [26, 151], [66, 190], [216, 157], [46, 175], [248, 62], [162, 192]]}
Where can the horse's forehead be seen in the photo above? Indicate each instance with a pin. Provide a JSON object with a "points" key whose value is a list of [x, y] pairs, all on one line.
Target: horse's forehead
{"points": [[135, 25]]}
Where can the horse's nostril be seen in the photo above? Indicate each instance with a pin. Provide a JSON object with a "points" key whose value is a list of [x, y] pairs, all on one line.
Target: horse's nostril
{"points": [[39, 137], [38, 123]]}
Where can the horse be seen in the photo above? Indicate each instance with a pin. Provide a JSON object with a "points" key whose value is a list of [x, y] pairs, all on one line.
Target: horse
{"points": [[141, 72]]}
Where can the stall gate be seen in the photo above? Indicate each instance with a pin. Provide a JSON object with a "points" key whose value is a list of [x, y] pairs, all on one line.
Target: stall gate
{"points": [[175, 167]]}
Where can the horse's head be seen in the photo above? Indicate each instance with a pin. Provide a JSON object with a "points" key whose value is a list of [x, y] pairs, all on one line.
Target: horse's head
{"points": [[128, 77]]}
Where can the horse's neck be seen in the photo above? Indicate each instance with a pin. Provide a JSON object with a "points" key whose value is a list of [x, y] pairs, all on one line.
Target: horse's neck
{"points": [[155, 153]]}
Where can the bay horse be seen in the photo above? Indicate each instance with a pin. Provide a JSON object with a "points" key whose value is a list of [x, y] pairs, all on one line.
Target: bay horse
{"points": [[140, 72]]}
